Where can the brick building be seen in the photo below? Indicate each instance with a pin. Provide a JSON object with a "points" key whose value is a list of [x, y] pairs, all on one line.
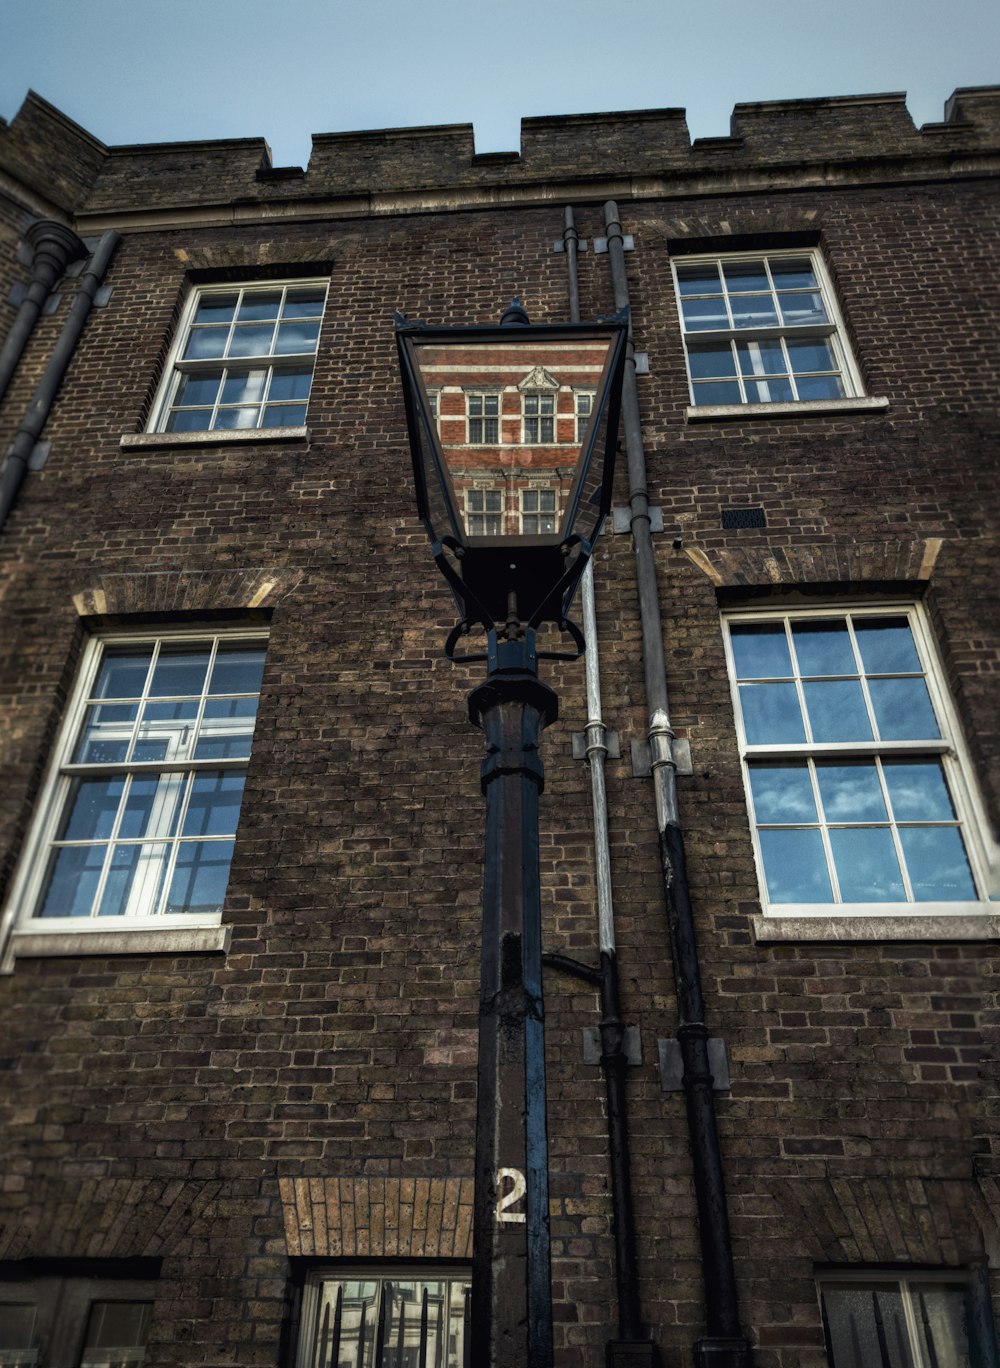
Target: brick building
{"points": [[238, 1008]]}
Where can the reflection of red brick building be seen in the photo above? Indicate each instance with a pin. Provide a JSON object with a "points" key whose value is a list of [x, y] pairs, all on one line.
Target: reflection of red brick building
{"points": [[510, 427], [238, 1044]]}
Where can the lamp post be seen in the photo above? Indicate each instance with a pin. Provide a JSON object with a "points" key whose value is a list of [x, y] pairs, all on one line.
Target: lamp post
{"points": [[513, 432]]}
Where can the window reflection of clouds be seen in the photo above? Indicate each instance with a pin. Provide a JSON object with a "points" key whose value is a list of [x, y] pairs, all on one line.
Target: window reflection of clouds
{"points": [[782, 793]]}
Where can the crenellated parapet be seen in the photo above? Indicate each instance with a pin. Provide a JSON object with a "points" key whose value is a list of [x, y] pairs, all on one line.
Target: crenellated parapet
{"points": [[641, 152]]}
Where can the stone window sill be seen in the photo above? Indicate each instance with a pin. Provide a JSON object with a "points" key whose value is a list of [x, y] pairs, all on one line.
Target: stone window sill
{"points": [[167, 940], [805, 408], [903, 928], [158, 441]]}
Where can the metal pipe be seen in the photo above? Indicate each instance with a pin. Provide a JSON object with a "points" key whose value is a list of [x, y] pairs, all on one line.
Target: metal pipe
{"points": [[724, 1346], [632, 1346], [48, 387], [53, 246]]}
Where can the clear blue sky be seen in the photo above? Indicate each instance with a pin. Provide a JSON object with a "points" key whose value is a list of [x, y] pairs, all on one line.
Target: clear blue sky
{"points": [[163, 70]]}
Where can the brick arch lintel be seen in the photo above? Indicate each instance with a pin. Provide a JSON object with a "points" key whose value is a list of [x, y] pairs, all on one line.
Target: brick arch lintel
{"points": [[909, 560], [378, 1218], [887, 1220], [171, 591]]}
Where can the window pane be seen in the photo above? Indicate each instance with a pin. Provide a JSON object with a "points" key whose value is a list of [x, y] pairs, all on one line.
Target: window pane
{"points": [[73, 881], [795, 867], [237, 418], [941, 1318], [122, 674], [886, 645], [226, 729], [717, 392], [837, 710], [252, 340], [937, 864], [918, 791], [703, 279], [284, 415], [864, 1320], [753, 311], [708, 361], [180, 670], [153, 806], [701, 314], [296, 337], [810, 356], [134, 880], [903, 709], [745, 275], [771, 714], [823, 647], [200, 876], [867, 867], [190, 420], [792, 273], [761, 358], [769, 391], [782, 793], [304, 303], [17, 1327], [214, 806], [258, 305], [202, 388], [761, 651], [237, 669], [165, 731], [106, 732], [216, 308], [206, 344], [797, 309], [851, 793], [293, 383], [819, 387], [119, 1325], [243, 385], [92, 809]]}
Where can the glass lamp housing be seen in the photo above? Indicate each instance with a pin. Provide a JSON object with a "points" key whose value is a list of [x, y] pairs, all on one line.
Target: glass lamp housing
{"points": [[513, 433]]}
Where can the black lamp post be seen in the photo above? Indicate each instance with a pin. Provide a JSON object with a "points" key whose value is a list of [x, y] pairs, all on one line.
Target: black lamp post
{"points": [[513, 432]]}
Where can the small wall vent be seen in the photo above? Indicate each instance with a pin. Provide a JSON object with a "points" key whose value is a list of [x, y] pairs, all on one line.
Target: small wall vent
{"points": [[743, 517]]}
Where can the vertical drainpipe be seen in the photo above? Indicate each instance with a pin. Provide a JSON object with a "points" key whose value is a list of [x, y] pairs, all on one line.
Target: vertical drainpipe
{"points": [[19, 451], [632, 1349], [724, 1345], [54, 246]]}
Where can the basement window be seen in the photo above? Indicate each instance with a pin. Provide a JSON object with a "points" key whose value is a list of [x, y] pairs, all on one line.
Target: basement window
{"points": [[381, 1318], [884, 1319], [244, 358]]}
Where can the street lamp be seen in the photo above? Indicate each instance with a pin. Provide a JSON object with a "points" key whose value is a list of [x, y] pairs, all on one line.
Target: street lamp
{"points": [[513, 433]]}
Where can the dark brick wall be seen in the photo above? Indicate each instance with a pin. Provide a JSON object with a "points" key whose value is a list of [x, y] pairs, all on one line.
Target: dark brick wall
{"points": [[196, 1108]]}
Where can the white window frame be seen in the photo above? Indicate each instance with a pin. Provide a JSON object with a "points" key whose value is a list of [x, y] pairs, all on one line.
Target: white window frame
{"points": [[311, 1326], [908, 1284], [950, 749], [538, 513], [482, 395], [833, 332], [533, 424], [583, 408], [141, 928], [477, 514], [177, 368]]}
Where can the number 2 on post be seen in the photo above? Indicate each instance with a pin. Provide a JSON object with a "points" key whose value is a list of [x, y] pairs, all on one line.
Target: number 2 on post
{"points": [[505, 1200]]}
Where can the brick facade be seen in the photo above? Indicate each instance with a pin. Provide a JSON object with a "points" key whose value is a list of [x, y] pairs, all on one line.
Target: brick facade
{"points": [[307, 1090]]}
